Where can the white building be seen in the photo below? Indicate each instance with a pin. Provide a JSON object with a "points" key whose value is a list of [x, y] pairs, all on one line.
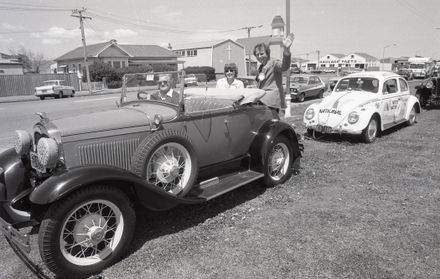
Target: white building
{"points": [[213, 54]]}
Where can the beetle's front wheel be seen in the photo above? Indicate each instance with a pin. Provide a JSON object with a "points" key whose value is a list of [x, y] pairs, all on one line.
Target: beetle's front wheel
{"points": [[86, 232], [369, 134]]}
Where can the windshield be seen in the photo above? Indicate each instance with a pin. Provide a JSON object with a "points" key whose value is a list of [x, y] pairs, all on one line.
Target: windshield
{"points": [[162, 87], [417, 66], [360, 84], [300, 80], [52, 82]]}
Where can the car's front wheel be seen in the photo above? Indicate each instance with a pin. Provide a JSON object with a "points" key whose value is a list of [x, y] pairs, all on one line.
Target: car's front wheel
{"points": [[278, 161], [86, 232], [412, 117], [369, 134], [41, 98], [301, 97]]}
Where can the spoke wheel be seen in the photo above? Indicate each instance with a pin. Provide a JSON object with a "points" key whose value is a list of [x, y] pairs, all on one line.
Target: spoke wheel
{"points": [[86, 232], [167, 159], [369, 134], [169, 167], [278, 162]]}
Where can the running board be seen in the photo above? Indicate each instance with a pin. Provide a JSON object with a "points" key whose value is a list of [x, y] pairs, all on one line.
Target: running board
{"points": [[217, 186]]}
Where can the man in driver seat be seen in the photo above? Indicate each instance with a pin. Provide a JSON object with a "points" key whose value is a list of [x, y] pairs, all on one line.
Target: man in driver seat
{"points": [[166, 93]]}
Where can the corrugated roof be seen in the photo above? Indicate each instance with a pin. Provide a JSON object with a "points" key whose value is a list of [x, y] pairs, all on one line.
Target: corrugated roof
{"points": [[338, 55], [366, 56], [197, 45], [133, 50]]}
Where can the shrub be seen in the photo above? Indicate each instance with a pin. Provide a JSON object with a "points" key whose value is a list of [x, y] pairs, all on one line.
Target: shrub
{"points": [[114, 84], [208, 71]]}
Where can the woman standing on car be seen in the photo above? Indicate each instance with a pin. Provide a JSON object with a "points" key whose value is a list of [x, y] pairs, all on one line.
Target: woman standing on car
{"points": [[230, 81], [270, 71]]}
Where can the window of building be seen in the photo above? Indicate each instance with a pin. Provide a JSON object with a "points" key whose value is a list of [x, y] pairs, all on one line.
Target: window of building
{"points": [[79, 68], [352, 56], [117, 64], [123, 64], [109, 62], [191, 52]]}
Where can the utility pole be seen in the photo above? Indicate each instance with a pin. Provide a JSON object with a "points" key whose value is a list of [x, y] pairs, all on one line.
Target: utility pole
{"points": [[287, 94], [78, 13], [318, 67], [249, 28]]}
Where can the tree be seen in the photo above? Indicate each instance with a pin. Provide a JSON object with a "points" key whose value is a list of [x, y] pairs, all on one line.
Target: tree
{"points": [[31, 61]]}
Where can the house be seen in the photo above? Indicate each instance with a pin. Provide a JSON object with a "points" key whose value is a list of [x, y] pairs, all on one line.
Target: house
{"points": [[117, 55], [9, 65], [330, 62], [213, 54], [359, 61]]}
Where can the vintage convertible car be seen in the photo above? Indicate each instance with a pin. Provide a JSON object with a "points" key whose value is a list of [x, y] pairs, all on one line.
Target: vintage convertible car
{"points": [[363, 104], [305, 86], [54, 88], [76, 179]]}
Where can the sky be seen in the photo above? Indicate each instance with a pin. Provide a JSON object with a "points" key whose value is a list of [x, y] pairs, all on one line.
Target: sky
{"points": [[382, 28]]}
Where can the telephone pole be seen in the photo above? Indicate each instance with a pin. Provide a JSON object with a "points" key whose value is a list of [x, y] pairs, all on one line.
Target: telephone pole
{"points": [[249, 28], [78, 13], [287, 94]]}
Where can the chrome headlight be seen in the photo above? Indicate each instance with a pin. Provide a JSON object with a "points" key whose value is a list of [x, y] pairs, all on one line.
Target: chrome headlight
{"points": [[353, 117], [310, 113], [22, 142], [47, 151], [293, 89]]}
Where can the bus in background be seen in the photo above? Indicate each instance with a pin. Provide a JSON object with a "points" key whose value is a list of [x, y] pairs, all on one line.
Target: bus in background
{"points": [[419, 66]]}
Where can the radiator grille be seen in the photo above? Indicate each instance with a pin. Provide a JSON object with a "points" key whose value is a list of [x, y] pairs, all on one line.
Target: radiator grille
{"points": [[113, 153]]}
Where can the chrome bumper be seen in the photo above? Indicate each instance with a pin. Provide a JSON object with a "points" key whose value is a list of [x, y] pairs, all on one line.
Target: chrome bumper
{"points": [[21, 240]]}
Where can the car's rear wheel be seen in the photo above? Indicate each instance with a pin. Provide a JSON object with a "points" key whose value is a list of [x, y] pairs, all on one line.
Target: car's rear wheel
{"points": [[167, 159], [87, 231], [412, 118], [60, 95], [369, 134], [278, 161], [42, 98]]}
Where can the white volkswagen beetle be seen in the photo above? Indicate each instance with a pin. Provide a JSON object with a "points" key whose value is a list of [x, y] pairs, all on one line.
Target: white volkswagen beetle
{"points": [[365, 104]]}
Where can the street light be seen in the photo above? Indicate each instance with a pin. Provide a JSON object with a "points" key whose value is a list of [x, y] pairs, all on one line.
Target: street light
{"points": [[383, 54]]}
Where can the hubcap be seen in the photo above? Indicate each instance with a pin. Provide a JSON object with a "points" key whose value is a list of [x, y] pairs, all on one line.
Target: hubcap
{"points": [[372, 129]]}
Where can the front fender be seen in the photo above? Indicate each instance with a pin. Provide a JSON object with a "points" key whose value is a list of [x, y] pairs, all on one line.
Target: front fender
{"points": [[62, 184], [14, 177], [265, 136]]}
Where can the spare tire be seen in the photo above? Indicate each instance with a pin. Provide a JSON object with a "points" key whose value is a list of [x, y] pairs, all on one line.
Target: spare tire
{"points": [[167, 159]]}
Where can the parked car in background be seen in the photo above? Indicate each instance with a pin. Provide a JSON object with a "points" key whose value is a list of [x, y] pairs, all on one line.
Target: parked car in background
{"points": [[248, 81], [190, 80], [405, 73], [76, 181], [365, 104], [305, 86], [54, 88], [428, 92]]}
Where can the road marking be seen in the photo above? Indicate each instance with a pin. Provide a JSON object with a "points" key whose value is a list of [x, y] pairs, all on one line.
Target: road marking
{"points": [[93, 100]]}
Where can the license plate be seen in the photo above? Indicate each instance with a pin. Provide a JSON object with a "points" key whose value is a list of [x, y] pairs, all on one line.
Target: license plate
{"points": [[35, 163], [323, 129]]}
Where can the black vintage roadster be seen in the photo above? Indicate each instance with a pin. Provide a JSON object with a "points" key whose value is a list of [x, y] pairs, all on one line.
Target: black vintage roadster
{"points": [[75, 180]]}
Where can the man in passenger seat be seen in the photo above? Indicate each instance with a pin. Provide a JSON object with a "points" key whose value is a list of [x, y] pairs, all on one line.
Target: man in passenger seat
{"points": [[166, 92]]}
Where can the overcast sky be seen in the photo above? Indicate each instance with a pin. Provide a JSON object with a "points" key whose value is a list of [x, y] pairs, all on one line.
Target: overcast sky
{"points": [[330, 26]]}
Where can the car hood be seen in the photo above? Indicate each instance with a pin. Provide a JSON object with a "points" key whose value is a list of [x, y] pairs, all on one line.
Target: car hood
{"points": [[296, 85], [338, 105], [101, 121]]}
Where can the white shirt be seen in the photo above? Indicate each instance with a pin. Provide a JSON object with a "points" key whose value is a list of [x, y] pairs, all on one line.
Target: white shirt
{"points": [[223, 83]]}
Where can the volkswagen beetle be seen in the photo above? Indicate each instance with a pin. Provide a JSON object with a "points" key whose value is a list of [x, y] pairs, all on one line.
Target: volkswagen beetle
{"points": [[365, 104], [76, 179]]}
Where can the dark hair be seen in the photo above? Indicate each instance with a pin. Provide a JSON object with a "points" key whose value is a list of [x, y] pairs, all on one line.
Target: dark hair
{"points": [[262, 46], [231, 66]]}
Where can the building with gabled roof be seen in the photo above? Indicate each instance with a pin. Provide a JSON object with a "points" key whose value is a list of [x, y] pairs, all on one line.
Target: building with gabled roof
{"points": [[117, 55], [213, 54]]}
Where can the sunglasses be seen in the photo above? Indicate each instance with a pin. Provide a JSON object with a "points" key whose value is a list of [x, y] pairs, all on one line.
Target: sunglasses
{"points": [[229, 70], [163, 82]]}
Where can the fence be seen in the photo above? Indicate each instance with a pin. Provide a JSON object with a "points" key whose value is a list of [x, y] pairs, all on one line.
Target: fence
{"points": [[20, 85], [96, 86]]}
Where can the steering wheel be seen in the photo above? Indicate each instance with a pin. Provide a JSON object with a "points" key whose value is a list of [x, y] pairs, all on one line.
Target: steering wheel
{"points": [[143, 95]]}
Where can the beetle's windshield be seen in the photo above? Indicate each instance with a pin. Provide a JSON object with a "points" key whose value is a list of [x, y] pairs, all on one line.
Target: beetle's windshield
{"points": [[358, 84], [163, 87]]}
